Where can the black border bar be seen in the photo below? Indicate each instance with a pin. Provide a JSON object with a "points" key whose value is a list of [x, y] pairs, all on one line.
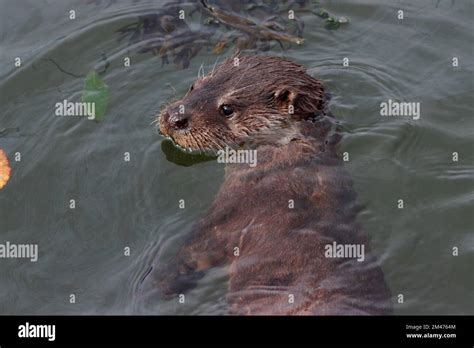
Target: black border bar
{"points": [[221, 330]]}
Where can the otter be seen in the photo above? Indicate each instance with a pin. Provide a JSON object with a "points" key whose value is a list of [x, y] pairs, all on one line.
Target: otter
{"points": [[278, 225]]}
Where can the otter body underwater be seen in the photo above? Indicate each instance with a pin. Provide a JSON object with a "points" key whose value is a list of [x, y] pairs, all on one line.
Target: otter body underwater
{"points": [[284, 214]]}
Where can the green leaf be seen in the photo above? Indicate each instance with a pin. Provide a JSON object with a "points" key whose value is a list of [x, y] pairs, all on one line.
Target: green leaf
{"points": [[96, 91]]}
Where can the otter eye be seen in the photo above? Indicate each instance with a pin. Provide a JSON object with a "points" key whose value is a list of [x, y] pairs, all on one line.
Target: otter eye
{"points": [[227, 110], [191, 88]]}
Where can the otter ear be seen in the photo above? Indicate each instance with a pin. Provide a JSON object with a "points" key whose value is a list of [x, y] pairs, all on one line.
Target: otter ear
{"points": [[302, 103], [285, 97]]}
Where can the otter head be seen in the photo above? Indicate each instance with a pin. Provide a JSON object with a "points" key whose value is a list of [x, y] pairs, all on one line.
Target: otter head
{"points": [[244, 99]]}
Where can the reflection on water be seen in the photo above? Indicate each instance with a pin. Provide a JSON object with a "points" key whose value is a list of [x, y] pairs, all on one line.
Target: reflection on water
{"points": [[133, 204]]}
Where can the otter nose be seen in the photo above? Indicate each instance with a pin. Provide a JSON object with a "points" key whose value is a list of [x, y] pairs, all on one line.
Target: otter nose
{"points": [[178, 121]]}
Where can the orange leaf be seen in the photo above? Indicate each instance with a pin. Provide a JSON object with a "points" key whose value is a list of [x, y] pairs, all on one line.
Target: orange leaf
{"points": [[4, 169]]}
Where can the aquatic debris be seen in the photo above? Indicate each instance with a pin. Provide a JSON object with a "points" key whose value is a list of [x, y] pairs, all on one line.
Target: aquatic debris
{"points": [[183, 46], [240, 25], [151, 25], [96, 91], [251, 28], [343, 20], [5, 169], [163, 34], [332, 22]]}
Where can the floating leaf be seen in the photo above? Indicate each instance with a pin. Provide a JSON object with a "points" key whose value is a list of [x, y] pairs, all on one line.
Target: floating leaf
{"points": [[181, 158], [97, 92], [4, 169]]}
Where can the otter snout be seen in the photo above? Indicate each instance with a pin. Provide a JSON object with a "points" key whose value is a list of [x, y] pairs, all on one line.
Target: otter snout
{"points": [[178, 121], [173, 121]]}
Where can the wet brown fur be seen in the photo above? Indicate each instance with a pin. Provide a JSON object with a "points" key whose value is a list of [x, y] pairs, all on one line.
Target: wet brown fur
{"points": [[281, 250], [260, 95]]}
